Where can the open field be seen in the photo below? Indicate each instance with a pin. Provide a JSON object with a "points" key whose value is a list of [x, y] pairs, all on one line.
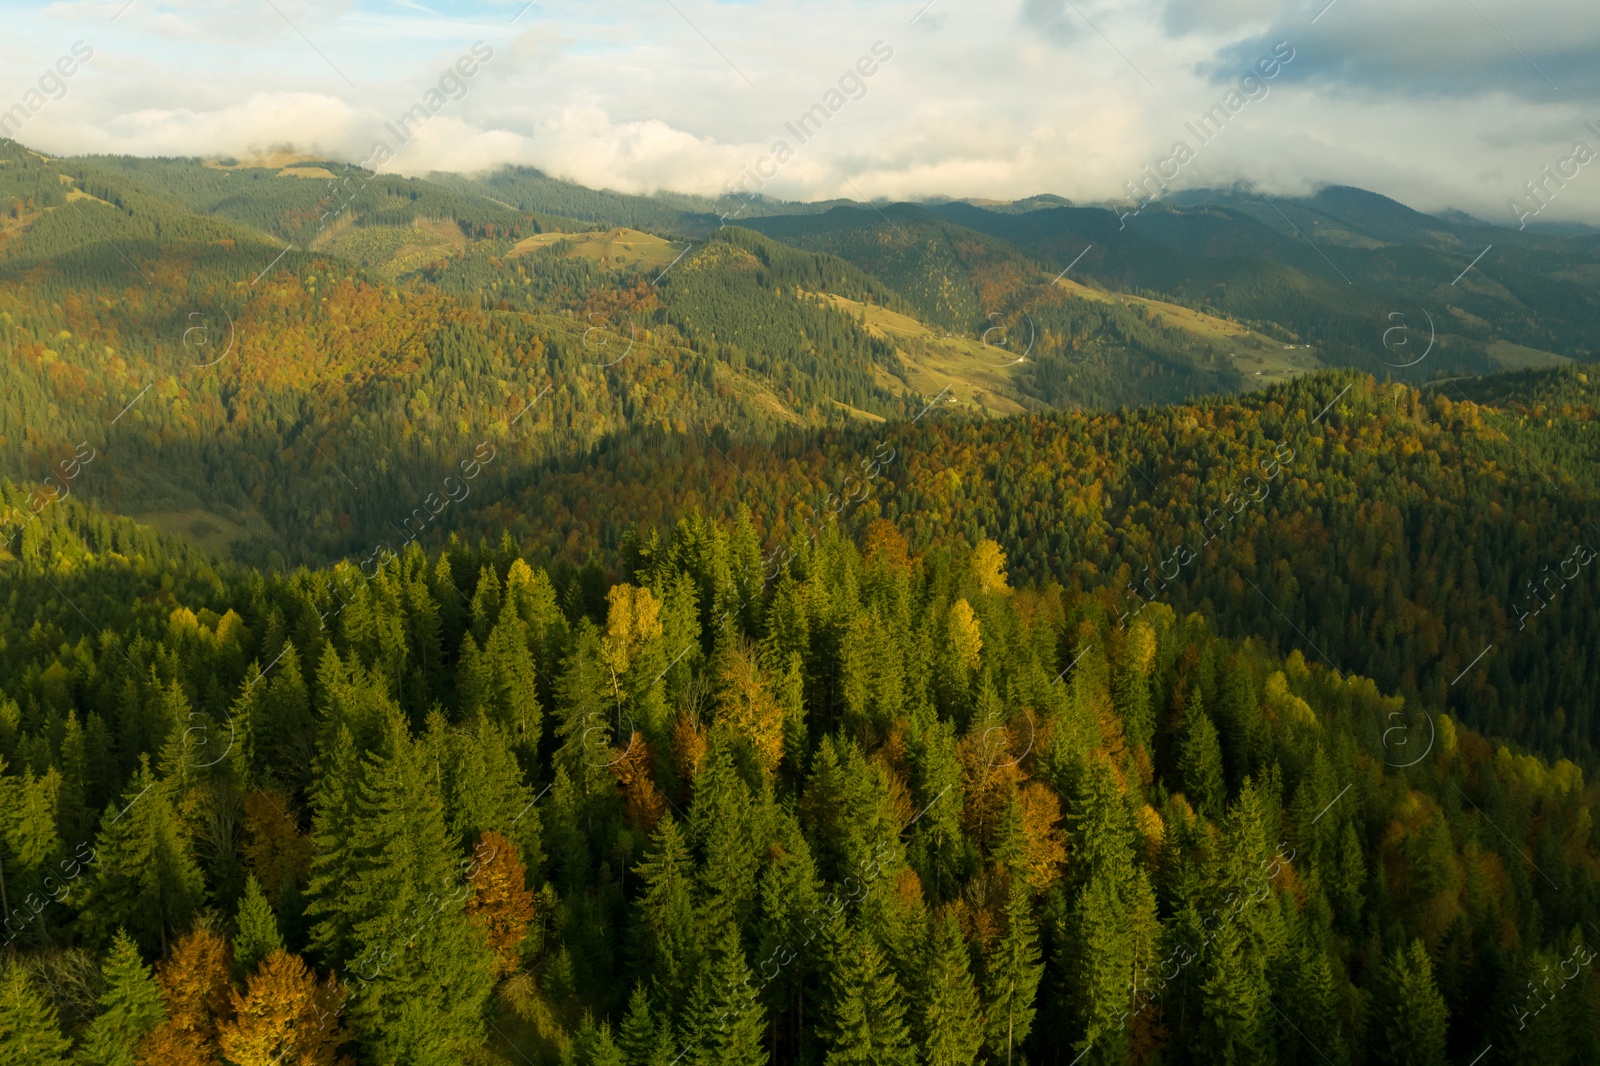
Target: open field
{"points": [[616, 247]]}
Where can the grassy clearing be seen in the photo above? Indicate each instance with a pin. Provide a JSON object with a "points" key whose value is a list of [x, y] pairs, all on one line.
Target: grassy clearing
{"points": [[209, 530], [1260, 359], [977, 375], [1517, 357], [617, 247]]}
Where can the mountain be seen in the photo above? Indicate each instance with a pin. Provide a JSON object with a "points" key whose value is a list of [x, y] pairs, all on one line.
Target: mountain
{"points": [[486, 620]]}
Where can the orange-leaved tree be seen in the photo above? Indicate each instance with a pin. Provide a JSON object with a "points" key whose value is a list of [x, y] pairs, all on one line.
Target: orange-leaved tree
{"points": [[197, 989], [500, 899], [285, 1018]]}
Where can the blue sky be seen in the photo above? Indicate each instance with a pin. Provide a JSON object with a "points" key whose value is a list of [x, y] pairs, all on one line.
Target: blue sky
{"points": [[1440, 103]]}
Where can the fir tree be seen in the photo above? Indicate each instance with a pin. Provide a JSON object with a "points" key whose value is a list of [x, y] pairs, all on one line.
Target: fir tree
{"points": [[258, 928], [951, 1020], [30, 1033], [130, 1007], [1410, 1016], [865, 1023]]}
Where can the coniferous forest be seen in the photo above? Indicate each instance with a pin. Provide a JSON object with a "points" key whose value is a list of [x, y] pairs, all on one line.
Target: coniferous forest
{"points": [[480, 637]]}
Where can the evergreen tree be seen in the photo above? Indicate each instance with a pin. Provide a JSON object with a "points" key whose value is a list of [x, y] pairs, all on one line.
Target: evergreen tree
{"points": [[1011, 978], [1410, 1017], [130, 1007], [727, 1018], [865, 1023], [667, 939], [725, 820], [27, 832], [146, 877], [30, 1033], [1200, 764], [258, 928], [510, 687], [420, 968], [646, 1037], [951, 1020]]}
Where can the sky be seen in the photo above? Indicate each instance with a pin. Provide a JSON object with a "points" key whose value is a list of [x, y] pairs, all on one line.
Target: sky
{"points": [[1437, 103]]}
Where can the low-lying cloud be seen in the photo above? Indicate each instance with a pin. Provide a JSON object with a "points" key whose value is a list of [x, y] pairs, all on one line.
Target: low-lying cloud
{"points": [[1429, 101]]}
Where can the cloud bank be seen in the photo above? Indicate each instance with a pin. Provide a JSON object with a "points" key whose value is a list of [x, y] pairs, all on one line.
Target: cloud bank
{"points": [[1437, 103]]}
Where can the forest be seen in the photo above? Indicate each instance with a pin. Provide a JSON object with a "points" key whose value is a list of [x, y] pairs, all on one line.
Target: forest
{"points": [[427, 637], [878, 806]]}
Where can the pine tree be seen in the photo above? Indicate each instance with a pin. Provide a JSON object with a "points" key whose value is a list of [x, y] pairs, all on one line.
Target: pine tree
{"points": [[258, 928], [1410, 1017], [1012, 974], [951, 1019], [30, 1032], [130, 1007]]}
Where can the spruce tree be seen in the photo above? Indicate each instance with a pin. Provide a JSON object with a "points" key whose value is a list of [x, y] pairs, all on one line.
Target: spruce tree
{"points": [[1012, 974], [130, 1007], [1410, 1016], [667, 939], [30, 1032], [1099, 970], [725, 822], [939, 850], [511, 696], [865, 1021], [951, 1022], [727, 1019], [258, 928], [645, 1037], [146, 877], [419, 969], [1200, 764]]}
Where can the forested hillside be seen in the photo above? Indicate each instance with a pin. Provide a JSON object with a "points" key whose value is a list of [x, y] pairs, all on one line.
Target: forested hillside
{"points": [[486, 620], [1375, 528], [881, 807]]}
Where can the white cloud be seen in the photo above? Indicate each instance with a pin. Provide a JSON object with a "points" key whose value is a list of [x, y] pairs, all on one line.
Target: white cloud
{"points": [[1424, 101]]}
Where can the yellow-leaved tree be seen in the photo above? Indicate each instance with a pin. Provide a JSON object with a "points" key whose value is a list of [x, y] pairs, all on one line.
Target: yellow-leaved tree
{"points": [[285, 1018]]}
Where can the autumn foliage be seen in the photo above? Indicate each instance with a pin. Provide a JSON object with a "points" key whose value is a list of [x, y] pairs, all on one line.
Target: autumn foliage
{"points": [[500, 900], [285, 1018]]}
